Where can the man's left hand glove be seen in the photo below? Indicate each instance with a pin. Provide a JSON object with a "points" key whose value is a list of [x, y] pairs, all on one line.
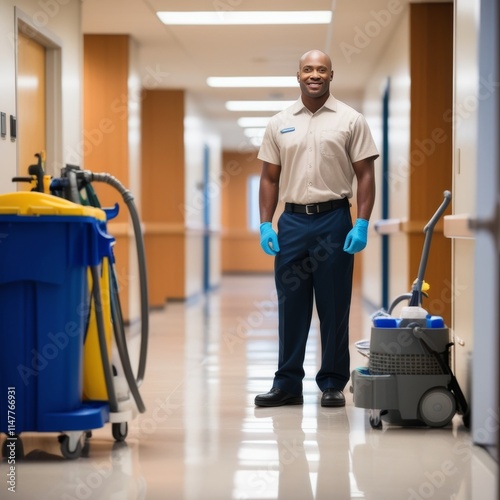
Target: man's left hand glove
{"points": [[269, 239], [357, 237]]}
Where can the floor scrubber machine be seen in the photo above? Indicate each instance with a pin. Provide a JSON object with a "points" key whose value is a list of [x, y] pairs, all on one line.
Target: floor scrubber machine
{"points": [[409, 380], [71, 315]]}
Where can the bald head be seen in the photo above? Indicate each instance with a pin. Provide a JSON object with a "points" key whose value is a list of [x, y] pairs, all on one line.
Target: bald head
{"points": [[317, 57], [314, 77]]}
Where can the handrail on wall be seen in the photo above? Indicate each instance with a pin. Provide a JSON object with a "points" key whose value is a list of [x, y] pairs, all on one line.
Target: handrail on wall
{"points": [[454, 226], [389, 226], [458, 226]]}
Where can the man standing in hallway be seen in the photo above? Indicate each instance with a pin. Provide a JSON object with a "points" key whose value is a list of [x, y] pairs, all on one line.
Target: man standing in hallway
{"points": [[311, 153]]}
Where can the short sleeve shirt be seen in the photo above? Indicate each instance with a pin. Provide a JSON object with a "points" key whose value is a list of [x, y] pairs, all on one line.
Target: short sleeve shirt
{"points": [[316, 150]]}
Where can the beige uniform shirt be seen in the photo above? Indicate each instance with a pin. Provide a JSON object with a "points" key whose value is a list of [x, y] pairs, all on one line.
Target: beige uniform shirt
{"points": [[316, 151]]}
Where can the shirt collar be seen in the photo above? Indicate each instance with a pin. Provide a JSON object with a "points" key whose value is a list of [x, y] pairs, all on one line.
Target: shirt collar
{"points": [[331, 104]]}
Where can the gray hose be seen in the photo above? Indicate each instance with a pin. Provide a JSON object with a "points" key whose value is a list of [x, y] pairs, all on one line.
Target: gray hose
{"points": [[141, 255], [73, 193], [121, 344]]}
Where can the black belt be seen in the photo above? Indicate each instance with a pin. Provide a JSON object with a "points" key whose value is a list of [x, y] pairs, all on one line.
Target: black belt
{"points": [[316, 208]]}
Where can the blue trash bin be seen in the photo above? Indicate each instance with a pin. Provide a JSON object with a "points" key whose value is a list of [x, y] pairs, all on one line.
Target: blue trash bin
{"points": [[46, 246]]}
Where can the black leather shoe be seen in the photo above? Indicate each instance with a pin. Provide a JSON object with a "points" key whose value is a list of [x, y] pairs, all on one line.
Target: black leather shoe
{"points": [[332, 397], [278, 397]]}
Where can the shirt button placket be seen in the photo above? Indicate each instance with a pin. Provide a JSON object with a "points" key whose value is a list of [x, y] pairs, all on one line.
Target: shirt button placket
{"points": [[310, 159]]}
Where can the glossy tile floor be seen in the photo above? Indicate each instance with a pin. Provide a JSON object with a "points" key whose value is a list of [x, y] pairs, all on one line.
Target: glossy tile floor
{"points": [[202, 438]]}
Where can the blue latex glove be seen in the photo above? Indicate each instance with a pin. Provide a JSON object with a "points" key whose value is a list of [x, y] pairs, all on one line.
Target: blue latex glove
{"points": [[269, 239], [357, 237]]}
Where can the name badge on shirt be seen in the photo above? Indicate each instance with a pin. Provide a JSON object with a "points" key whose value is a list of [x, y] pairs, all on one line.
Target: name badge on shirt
{"points": [[286, 130]]}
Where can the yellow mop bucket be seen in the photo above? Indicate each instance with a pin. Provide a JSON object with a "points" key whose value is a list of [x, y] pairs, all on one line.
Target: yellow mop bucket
{"points": [[94, 383]]}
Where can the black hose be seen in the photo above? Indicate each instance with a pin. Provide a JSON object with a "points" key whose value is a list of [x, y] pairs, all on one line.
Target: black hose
{"points": [[106, 366]]}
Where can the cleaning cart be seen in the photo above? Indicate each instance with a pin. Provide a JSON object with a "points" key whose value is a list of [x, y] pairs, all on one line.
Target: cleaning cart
{"points": [[60, 312], [409, 380]]}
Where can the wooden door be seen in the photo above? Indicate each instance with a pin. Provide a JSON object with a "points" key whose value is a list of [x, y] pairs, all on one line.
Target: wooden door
{"points": [[31, 102]]}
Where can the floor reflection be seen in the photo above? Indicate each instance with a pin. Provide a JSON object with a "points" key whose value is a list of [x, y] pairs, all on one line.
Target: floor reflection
{"points": [[202, 438]]}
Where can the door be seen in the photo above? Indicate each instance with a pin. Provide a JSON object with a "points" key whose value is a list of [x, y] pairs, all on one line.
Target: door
{"points": [[31, 102]]}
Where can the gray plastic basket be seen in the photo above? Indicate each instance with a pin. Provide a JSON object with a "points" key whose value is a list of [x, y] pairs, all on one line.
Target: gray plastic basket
{"points": [[398, 351]]}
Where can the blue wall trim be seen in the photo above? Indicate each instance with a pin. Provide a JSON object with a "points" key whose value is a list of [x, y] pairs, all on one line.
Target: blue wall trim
{"points": [[385, 193]]}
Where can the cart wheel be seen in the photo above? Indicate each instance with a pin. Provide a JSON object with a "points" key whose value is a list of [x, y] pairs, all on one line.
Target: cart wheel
{"points": [[68, 450], [374, 419], [18, 447], [120, 431], [437, 407]]}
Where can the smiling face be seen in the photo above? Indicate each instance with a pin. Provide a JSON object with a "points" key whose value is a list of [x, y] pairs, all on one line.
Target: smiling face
{"points": [[314, 76]]}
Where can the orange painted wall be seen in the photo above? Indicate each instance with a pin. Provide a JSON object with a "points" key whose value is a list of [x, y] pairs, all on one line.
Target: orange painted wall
{"points": [[105, 135]]}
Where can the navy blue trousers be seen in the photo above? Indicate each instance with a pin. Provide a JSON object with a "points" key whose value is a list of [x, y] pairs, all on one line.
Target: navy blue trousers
{"points": [[312, 267]]}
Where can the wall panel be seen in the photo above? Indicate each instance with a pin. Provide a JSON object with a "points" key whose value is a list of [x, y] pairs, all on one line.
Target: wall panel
{"points": [[430, 156], [163, 192], [240, 247], [105, 146]]}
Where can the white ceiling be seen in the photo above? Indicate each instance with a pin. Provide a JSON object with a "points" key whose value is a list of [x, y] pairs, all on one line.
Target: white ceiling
{"points": [[183, 57]]}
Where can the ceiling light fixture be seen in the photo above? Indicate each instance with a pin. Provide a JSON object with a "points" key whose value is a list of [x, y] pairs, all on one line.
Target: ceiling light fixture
{"points": [[249, 17], [252, 81], [257, 105]]}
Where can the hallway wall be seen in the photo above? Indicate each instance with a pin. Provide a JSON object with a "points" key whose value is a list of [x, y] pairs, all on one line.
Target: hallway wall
{"points": [[112, 111], [394, 67], [202, 199]]}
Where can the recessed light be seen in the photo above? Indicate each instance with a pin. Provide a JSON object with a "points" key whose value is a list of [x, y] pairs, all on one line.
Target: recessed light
{"points": [[249, 17]]}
